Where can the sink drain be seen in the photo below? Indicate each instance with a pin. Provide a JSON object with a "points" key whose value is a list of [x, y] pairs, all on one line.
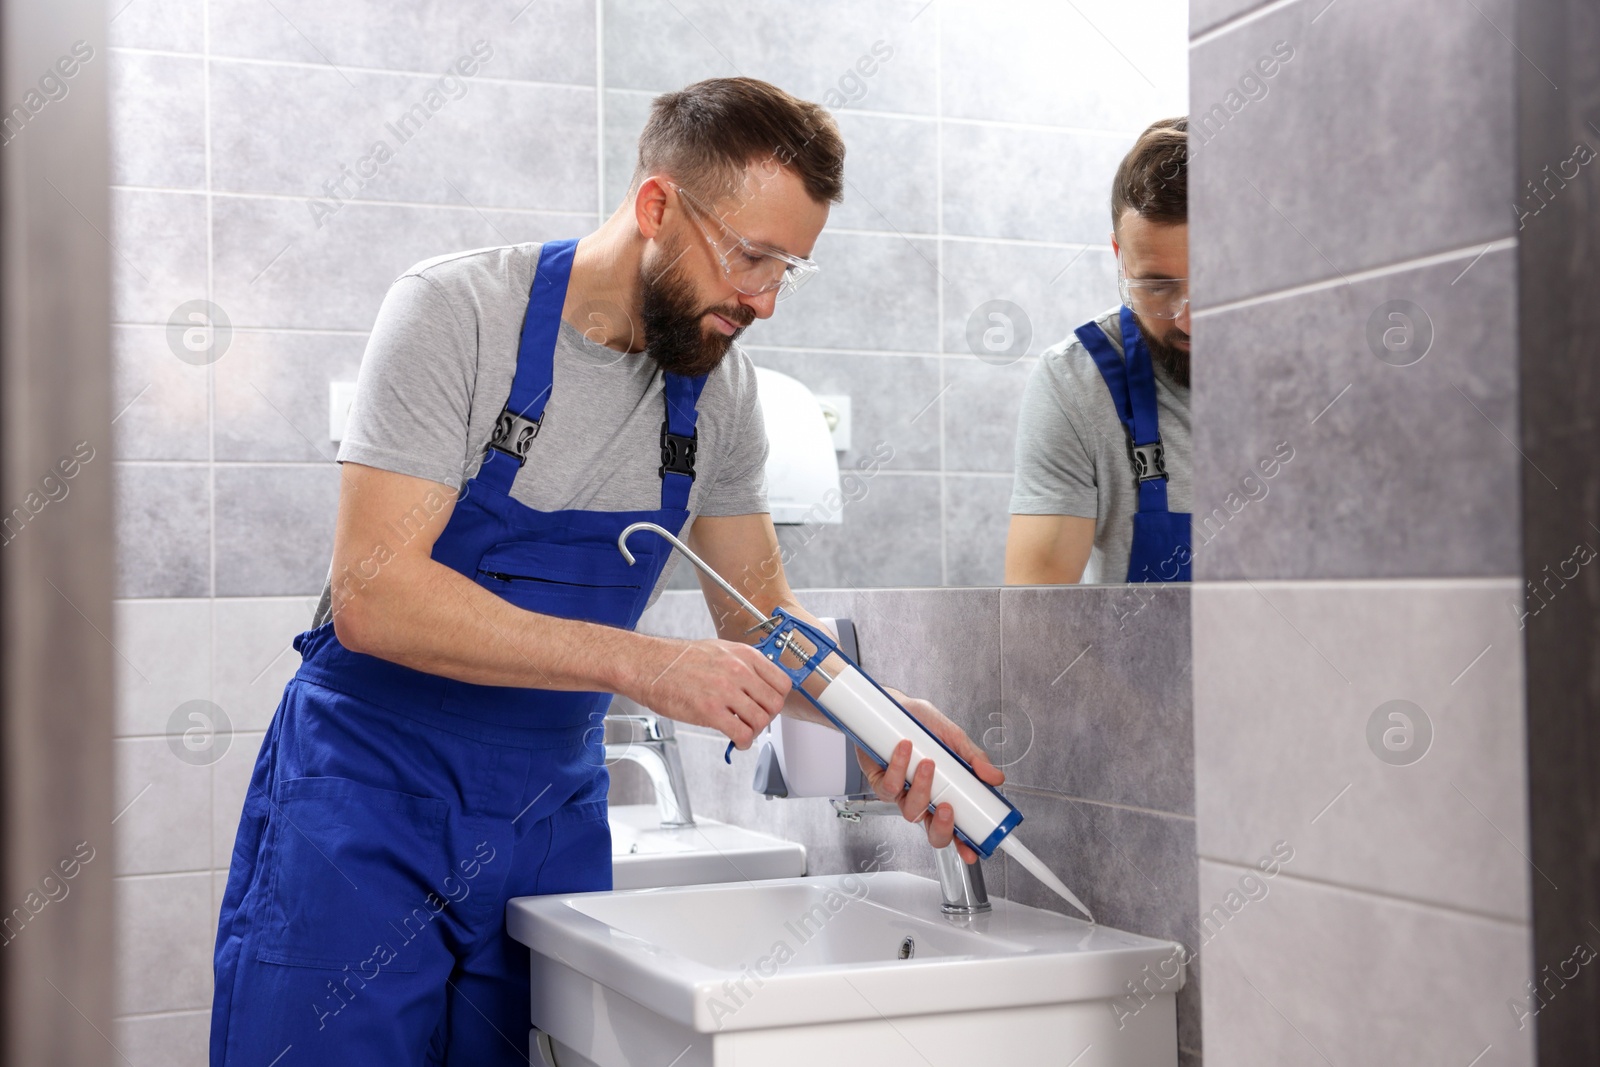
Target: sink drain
{"points": [[908, 948]]}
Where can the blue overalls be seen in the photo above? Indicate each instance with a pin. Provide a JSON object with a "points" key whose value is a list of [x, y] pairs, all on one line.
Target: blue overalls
{"points": [[1161, 538], [392, 813]]}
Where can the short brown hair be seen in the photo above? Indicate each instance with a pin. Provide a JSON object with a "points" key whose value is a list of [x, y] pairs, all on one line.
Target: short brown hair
{"points": [[1153, 178], [705, 134]]}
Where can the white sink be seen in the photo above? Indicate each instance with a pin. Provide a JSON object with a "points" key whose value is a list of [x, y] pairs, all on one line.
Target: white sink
{"points": [[793, 971], [643, 855]]}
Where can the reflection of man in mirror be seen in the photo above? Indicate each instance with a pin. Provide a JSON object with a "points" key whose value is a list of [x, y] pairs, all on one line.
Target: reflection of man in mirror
{"points": [[1103, 484]]}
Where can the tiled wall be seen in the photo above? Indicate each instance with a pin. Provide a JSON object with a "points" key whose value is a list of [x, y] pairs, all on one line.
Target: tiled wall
{"points": [[1382, 562], [980, 154], [1081, 695]]}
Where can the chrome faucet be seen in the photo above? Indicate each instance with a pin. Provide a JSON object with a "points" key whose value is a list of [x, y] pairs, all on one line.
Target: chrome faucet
{"points": [[650, 741], [960, 882]]}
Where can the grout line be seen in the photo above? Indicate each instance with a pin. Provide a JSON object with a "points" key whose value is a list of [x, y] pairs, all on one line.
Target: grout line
{"points": [[1053, 794], [600, 109], [296, 64], [918, 116], [1367, 891], [940, 286], [1327, 584], [1244, 18], [1370, 274], [301, 198]]}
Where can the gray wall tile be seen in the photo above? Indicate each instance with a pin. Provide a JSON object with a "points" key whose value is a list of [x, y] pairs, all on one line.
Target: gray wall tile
{"points": [[169, 25], [1290, 972], [1026, 184], [164, 806], [1098, 694], [290, 131], [1097, 65], [158, 131], [178, 1040], [976, 517], [888, 162], [272, 394], [255, 657], [1287, 680], [160, 402], [942, 645], [872, 292], [548, 40], [163, 530], [884, 539], [274, 268], [653, 44], [980, 412], [886, 393], [160, 261], [275, 529], [1363, 93], [163, 955], [1058, 289], [1411, 473], [623, 121], [1208, 14], [164, 661], [1135, 870]]}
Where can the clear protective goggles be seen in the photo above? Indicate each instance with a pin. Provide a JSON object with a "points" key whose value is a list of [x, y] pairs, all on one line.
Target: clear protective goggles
{"points": [[751, 267], [1155, 298]]}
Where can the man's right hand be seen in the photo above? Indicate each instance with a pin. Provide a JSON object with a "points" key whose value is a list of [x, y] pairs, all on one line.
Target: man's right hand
{"points": [[725, 685]]}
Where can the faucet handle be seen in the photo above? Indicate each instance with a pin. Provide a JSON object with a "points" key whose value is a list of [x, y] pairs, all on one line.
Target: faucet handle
{"points": [[637, 729]]}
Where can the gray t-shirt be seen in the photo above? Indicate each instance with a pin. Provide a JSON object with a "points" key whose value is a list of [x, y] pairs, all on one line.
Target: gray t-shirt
{"points": [[437, 372], [1072, 452]]}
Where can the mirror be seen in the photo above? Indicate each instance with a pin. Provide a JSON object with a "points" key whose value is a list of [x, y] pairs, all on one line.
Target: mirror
{"points": [[255, 253]]}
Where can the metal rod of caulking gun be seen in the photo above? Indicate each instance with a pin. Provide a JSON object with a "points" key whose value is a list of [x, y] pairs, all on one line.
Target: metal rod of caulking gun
{"points": [[705, 568]]}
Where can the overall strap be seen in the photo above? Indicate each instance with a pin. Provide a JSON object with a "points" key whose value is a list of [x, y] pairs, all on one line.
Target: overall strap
{"points": [[519, 421], [679, 439], [1132, 384]]}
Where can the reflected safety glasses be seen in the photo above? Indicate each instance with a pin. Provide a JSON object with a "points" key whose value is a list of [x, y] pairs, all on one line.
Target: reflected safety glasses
{"points": [[1156, 298], [751, 267]]}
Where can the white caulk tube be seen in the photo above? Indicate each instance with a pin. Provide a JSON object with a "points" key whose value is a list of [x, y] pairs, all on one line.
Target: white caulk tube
{"points": [[984, 818], [874, 720]]}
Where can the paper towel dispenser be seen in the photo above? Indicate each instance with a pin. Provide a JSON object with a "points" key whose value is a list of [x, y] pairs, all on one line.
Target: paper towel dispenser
{"points": [[802, 468]]}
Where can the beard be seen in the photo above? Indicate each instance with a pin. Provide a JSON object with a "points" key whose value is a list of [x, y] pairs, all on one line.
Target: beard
{"points": [[674, 333], [1171, 358]]}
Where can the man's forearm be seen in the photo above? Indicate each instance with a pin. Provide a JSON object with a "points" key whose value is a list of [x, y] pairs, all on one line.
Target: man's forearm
{"points": [[424, 615]]}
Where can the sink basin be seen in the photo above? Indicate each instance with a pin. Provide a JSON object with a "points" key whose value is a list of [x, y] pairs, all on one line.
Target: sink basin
{"points": [[643, 855], [788, 971]]}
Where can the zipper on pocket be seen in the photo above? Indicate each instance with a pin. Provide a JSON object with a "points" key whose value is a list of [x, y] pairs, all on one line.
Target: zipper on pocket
{"points": [[501, 576]]}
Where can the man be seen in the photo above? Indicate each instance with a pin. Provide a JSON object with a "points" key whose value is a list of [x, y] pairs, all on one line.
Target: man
{"points": [[1103, 485], [437, 752]]}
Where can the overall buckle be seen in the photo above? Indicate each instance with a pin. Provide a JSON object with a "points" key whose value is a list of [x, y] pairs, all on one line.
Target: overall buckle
{"points": [[514, 434], [677, 452], [1149, 461]]}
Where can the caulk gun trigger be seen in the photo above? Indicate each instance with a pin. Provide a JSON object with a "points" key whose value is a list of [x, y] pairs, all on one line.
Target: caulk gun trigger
{"points": [[727, 753]]}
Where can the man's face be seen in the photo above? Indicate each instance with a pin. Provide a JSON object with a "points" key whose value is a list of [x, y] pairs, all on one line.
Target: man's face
{"points": [[1153, 251], [691, 311]]}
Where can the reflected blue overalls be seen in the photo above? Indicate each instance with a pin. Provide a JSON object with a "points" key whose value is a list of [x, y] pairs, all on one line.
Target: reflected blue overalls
{"points": [[1161, 538], [392, 813]]}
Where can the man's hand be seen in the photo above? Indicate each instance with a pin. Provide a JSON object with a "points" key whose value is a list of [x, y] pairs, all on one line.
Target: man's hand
{"points": [[889, 783], [725, 685]]}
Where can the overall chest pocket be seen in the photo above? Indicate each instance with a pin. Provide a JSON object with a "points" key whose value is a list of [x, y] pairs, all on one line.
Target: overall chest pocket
{"points": [[589, 582]]}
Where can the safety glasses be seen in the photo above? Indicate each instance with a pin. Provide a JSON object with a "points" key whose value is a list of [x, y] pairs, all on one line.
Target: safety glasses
{"points": [[1156, 298], [751, 267]]}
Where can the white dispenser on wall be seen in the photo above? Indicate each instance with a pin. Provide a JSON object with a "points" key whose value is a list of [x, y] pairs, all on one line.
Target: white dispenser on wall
{"points": [[802, 469]]}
